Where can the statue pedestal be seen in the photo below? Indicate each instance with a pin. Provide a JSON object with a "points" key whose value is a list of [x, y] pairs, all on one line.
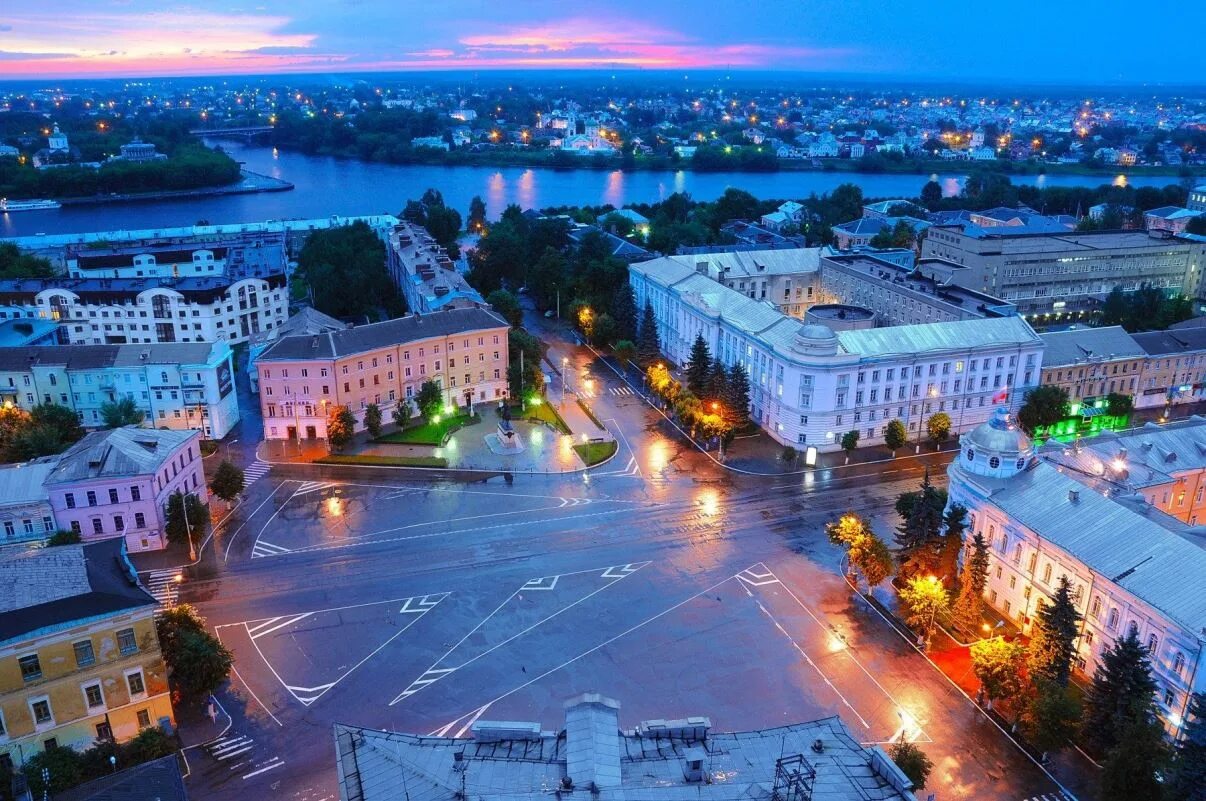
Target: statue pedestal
{"points": [[506, 440]]}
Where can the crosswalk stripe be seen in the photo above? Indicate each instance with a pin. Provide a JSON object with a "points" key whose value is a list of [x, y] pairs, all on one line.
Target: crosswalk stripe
{"points": [[255, 471], [621, 391], [275, 762]]}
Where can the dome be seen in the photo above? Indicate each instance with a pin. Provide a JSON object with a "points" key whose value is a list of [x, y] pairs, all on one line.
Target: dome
{"points": [[996, 448], [815, 340]]}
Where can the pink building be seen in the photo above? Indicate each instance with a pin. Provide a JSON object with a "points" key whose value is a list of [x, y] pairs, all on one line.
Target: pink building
{"points": [[301, 377], [116, 483]]}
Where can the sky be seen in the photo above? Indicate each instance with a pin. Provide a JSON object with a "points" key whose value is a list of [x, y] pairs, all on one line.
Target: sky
{"points": [[1108, 41]]}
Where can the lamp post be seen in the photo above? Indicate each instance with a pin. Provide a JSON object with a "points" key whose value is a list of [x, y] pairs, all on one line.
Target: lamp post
{"points": [[564, 377]]}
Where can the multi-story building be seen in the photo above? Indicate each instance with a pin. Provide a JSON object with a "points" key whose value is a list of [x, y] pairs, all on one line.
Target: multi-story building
{"points": [[1197, 198], [901, 295], [1175, 369], [1091, 363], [114, 484], [307, 320], [1063, 274], [25, 513], [98, 311], [79, 657], [178, 385], [464, 351], [1087, 514], [424, 272], [789, 279], [247, 256], [28, 332], [810, 385]]}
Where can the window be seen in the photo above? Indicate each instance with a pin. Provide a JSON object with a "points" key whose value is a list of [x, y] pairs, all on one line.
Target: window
{"points": [[1047, 573], [994, 463], [31, 667], [91, 498], [1112, 620], [144, 719], [1170, 699], [84, 655], [97, 526], [135, 682], [70, 499], [112, 495], [1133, 628], [1095, 607], [1179, 664], [140, 520], [971, 454], [135, 494], [1153, 643], [93, 696], [126, 642], [40, 707]]}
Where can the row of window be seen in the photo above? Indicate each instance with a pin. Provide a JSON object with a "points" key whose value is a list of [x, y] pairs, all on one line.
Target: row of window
{"points": [[42, 712], [31, 664], [92, 497]]}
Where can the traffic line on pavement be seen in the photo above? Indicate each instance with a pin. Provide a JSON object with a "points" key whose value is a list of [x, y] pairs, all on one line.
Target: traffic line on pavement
{"points": [[263, 548], [312, 486], [546, 583], [264, 767], [624, 391], [255, 471], [272, 626]]}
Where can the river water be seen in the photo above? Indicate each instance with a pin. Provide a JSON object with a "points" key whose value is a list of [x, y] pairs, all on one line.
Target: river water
{"points": [[327, 186]]}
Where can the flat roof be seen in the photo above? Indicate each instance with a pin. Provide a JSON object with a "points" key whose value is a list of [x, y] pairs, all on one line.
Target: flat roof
{"points": [[1087, 345]]}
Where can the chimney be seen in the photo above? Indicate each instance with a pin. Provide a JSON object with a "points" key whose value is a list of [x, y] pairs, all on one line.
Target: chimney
{"points": [[1074, 496]]}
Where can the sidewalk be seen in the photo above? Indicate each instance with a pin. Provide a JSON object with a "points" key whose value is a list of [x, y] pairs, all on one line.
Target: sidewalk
{"points": [[758, 453]]}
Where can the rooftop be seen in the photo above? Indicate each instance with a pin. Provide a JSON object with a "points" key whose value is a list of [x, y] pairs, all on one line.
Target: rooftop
{"points": [[157, 780], [97, 357], [411, 328], [1171, 343], [198, 287], [1089, 345], [22, 482], [22, 331], [658, 760], [118, 453], [41, 588], [754, 263], [955, 336], [916, 280]]}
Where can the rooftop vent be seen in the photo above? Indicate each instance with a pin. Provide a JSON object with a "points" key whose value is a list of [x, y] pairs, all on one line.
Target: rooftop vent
{"points": [[1074, 496]]}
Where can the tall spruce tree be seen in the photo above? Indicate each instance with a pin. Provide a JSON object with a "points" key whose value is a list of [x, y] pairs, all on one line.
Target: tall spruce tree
{"points": [[1187, 780], [718, 382], [969, 606], [1121, 692], [699, 363], [1131, 769], [1053, 637], [648, 345], [737, 395], [954, 523], [919, 535], [624, 312]]}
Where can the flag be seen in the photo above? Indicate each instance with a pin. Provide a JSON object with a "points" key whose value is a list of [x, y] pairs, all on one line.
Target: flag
{"points": [[1001, 396]]}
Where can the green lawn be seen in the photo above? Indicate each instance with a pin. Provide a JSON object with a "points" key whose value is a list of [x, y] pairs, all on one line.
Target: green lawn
{"points": [[428, 433], [384, 461], [547, 413], [594, 452]]}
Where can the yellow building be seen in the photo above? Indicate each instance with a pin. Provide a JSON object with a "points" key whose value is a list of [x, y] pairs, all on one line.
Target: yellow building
{"points": [[79, 657]]}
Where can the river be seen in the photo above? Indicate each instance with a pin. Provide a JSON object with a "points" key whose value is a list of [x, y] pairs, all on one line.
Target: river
{"points": [[327, 186]]}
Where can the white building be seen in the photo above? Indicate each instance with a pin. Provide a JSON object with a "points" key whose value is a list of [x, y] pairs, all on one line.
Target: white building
{"points": [[1071, 513], [25, 513], [177, 386], [810, 385]]}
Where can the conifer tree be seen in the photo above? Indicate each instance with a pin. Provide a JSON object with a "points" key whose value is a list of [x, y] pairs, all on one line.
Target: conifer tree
{"points": [[1053, 637]]}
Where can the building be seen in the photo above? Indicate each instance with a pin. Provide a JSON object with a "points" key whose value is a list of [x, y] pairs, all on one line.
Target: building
{"points": [[748, 233], [788, 279], [1197, 198], [464, 351], [1175, 369], [25, 513], [27, 332], [1172, 219], [177, 385], [307, 320], [810, 385], [425, 273], [98, 311], [114, 484], [902, 295], [1078, 513], [79, 658], [138, 152], [858, 232], [1092, 363], [1051, 275], [249, 256], [160, 779], [591, 755]]}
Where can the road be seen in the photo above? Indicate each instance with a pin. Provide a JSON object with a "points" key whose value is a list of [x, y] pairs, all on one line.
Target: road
{"points": [[660, 579]]}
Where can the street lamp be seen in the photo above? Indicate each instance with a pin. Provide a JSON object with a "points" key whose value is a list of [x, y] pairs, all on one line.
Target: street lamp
{"points": [[564, 377]]}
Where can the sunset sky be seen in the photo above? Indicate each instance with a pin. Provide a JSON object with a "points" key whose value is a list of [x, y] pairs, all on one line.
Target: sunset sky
{"points": [[1055, 42]]}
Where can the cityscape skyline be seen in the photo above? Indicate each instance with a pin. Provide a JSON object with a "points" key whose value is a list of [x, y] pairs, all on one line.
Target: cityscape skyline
{"points": [[135, 38]]}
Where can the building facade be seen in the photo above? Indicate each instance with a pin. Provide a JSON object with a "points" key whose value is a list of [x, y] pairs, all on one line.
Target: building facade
{"points": [[1131, 567], [1091, 363], [424, 272], [302, 378], [1062, 274], [1174, 372], [115, 484], [257, 255], [79, 657], [25, 513], [810, 385], [177, 386]]}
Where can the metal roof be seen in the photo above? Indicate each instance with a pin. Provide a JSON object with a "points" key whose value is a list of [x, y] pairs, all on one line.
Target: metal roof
{"points": [[118, 452], [1171, 343], [96, 357], [955, 335], [21, 483], [1087, 345]]}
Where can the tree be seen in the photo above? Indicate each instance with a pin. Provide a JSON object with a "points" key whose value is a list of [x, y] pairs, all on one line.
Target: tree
{"points": [[895, 436], [969, 606], [698, 365], [1132, 768], [1050, 717], [718, 382], [228, 481], [954, 523], [624, 311], [63, 537], [185, 518], [64, 422], [737, 394], [197, 662], [912, 762], [64, 766], [121, 412], [372, 420], [931, 195], [1053, 637], [401, 413], [923, 599], [1187, 776], [997, 664], [477, 216], [939, 428], [624, 351], [345, 268], [850, 442], [873, 560], [1119, 405], [507, 305], [919, 536], [430, 399], [648, 345], [1122, 691], [341, 426], [1043, 406]]}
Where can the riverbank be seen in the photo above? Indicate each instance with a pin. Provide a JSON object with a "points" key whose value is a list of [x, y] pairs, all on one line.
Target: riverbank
{"points": [[249, 183], [601, 162]]}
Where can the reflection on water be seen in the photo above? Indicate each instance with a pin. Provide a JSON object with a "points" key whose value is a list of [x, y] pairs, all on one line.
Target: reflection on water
{"points": [[527, 189], [1119, 180], [613, 191]]}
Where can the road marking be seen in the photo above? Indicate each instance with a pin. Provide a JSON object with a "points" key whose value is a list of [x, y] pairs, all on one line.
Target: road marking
{"points": [[469, 724], [262, 549], [230, 542], [614, 573], [547, 583], [621, 391], [164, 586], [262, 630], [755, 579], [313, 486], [254, 472], [243, 749], [271, 764]]}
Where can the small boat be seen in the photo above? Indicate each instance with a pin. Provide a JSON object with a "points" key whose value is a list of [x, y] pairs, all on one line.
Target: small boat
{"points": [[7, 205]]}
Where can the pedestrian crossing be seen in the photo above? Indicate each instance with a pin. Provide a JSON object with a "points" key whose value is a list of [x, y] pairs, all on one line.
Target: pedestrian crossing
{"points": [[622, 391], [1050, 797], [237, 753], [164, 585], [254, 472]]}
